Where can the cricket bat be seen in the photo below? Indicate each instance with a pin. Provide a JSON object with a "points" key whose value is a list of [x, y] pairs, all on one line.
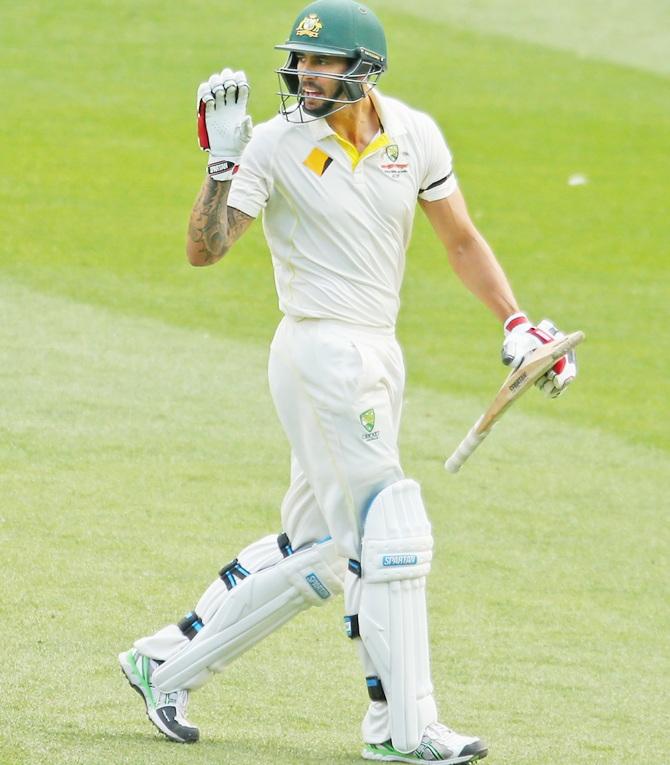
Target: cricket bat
{"points": [[538, 363]]}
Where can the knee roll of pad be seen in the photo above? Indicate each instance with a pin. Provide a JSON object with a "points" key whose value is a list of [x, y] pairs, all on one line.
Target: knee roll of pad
{"points": [[396, 557]]}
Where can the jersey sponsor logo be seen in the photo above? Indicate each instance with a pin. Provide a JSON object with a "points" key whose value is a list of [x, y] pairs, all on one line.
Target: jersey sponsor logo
{"points": [[318, 161], [400, 559], [368, 419], [318, 586], [310, 26]]}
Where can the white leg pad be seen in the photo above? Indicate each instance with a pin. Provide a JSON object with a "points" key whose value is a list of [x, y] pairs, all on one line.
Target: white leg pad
{"points": [[376, 725], [396, 556], [253, 609], [169, 640]]}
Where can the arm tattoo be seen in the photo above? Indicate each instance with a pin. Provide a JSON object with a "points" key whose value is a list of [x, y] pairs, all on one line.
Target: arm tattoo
{"points": [[214, 227]]}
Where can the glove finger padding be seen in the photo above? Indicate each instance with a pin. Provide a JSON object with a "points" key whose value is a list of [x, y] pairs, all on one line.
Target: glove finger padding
{"points": [[554, 383], [224, 127], [242, 89], [204, 94], [230, 92], [216, 81]]}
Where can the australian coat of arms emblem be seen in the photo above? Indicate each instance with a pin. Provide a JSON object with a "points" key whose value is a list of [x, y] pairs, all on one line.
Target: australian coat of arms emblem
{"points": [[310, 26]]}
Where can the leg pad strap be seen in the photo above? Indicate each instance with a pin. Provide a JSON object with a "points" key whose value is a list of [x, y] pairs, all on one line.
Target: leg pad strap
{"points": [[190, 625], [375, 689]]}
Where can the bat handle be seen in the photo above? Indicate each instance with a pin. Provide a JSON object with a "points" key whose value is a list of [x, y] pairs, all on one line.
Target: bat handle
{"points": [[465, 448]]}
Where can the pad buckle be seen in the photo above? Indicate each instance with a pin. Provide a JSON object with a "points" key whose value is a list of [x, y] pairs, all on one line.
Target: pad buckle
{"points": [[232, 572], [375, 688], [284, 544], [351, 626], [190, 625]]}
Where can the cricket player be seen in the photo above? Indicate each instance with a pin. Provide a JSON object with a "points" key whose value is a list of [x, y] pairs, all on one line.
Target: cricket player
{"points": [[336, 177]]}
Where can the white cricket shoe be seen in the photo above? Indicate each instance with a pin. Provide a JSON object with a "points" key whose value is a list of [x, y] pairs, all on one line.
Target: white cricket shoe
{"points": [[439, 744], [167, 711]]}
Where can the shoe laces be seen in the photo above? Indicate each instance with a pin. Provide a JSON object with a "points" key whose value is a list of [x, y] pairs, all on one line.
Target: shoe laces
{"points": [[177, 699], [438, 731]]}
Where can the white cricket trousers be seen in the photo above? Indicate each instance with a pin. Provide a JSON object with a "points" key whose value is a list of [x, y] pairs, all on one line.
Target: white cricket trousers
{"points": [[338, 392]]}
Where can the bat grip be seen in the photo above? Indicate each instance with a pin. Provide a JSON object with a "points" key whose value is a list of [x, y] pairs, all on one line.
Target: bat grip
{"points": [[465, 448]]}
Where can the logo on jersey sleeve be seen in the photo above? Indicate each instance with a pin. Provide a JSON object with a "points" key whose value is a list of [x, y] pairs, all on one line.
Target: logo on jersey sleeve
{"points": [[310, 26], [318, 161]]}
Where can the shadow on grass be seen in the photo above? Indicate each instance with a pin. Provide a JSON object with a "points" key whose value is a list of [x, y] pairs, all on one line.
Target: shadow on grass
{"points": [[73, 745]]}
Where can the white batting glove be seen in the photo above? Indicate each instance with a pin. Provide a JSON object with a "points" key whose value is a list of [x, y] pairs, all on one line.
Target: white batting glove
{"points": [[224, 127], [521, 337]]}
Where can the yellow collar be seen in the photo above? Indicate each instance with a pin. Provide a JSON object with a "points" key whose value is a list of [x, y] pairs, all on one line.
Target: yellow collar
{"points": [[352, 152]]}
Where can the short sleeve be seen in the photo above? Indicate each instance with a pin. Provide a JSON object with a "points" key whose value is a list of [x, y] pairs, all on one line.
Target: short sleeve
{"points": [[252, 183], [439, 180]]}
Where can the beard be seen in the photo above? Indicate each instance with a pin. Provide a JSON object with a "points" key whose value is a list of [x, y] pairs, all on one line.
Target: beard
{"points": [[323, 107]]}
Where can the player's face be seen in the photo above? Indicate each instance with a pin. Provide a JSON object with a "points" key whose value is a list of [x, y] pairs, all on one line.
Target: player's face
{"points": [[314, 88]]}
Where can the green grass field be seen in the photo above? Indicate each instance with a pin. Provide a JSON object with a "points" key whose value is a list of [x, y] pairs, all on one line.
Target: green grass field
{"points": [[139, 450]]}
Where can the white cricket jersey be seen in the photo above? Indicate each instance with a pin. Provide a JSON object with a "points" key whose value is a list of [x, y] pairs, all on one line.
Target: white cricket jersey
{"points": [[338, 222]]}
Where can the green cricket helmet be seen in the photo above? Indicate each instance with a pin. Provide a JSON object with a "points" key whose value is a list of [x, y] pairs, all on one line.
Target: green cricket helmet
{"points": [[342, 28]]}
